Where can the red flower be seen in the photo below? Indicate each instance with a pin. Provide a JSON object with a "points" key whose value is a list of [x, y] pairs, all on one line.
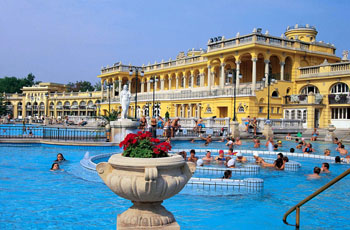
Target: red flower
{"points": [[156, 151]]}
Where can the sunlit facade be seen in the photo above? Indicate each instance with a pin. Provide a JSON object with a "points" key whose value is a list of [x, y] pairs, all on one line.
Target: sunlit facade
{"points": [[311, 82]]}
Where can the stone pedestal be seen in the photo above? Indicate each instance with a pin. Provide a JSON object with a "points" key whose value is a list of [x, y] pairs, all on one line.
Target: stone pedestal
{"points": [[330, 134], [267, 132], [121, 128], [234, 126], [147, 215]]}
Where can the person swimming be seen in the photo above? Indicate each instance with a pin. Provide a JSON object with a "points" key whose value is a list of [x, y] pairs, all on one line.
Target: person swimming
{"points": [[55, 167], [60, 158], [227, 174], [316, 174], [221, 156]]}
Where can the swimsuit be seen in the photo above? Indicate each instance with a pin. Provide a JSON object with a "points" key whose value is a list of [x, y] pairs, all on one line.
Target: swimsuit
{"points": [[221, 159]]}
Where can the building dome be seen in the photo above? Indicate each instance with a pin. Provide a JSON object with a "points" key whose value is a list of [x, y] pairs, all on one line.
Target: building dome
{"points": [[304, 33]]}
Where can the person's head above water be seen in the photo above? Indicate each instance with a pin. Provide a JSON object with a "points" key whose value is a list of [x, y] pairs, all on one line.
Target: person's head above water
{"points": [[55, 166], [317, 170], [337, 159], [60, 157], [193, 152], [280, 155]]}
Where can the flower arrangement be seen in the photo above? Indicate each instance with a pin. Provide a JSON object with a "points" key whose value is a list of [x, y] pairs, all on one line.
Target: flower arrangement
{"points": [[142, 145]]}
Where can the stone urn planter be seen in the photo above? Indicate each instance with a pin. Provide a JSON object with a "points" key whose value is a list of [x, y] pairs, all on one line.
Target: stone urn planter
{"points": [[146, 182]]}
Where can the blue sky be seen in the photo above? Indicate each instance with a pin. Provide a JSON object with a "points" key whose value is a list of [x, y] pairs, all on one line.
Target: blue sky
{"points": [[69, 40]]}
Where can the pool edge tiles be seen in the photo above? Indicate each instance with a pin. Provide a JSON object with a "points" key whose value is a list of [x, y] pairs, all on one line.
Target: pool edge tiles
{"points": [[208, 186]]}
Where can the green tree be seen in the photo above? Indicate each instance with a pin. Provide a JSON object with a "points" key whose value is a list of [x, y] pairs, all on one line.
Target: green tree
{"points": [[97, 86], [82, 86], [13, 84], [3, 110]]}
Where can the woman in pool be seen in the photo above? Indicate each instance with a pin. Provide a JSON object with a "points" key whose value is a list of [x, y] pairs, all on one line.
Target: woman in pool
{"points": [[327, 152], [221, 156], [230, 143], [60, 158], [269, 144], [55, 167], [308, 149]]}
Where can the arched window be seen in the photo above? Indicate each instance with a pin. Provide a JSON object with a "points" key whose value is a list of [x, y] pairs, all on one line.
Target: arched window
{"points": [[286, 114], [198, 80], [293, 115], [146, 110], [340, 88], [189, 81], [308, 89], [274, 94]]}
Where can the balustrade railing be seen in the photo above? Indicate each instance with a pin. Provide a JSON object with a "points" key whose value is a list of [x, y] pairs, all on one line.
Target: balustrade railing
{"points": [[53, 133]]}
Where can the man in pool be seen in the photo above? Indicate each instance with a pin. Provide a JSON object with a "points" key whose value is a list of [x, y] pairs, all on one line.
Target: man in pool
{"points": [[342, 150], [325, 168], [207, 157], [240, 158], [316, 174], [193, 157], [258, 159], [207, 140], [238, 141]]}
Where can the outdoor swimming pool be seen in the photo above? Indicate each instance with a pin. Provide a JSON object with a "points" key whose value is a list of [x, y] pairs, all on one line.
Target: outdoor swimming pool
{"points": [[32, 197]]}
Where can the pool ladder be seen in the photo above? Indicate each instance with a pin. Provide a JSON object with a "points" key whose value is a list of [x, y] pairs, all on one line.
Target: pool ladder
{"points": [[307, 199]]}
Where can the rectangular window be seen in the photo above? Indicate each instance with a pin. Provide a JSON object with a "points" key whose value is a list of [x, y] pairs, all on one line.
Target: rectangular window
{"points": [[278, 109], [272, 108], [261, 109]]}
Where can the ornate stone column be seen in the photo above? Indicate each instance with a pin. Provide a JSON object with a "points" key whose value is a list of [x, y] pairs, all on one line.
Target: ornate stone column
{"points": [[113, 94], [183, 110], [282, 70], [238, 63], [120, 87], [142, 86], [209, 77], [202, 79], [177, 82], [176, 110], [254, 60], [266, 71], [161, 84], [148, 86], [102, 90], [222, 75], [192, 80], [169, 87], [191, 110]]}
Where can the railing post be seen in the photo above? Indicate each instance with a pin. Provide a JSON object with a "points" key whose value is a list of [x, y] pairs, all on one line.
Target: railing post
{"points": [[297, 218]]}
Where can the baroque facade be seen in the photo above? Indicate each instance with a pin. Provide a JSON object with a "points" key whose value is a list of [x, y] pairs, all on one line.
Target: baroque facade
{"points": [[311, 82]]}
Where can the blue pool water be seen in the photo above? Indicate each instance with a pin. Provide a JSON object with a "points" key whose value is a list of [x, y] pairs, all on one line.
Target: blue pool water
{"points": [[32, 197]]}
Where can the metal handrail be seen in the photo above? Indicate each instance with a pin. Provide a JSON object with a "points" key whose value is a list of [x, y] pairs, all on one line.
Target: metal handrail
{"points": [[301, 203]]}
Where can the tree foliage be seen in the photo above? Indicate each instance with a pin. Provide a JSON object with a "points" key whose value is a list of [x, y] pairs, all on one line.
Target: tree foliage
{"points": [[3, 110], [14, 84], [82, 86]]}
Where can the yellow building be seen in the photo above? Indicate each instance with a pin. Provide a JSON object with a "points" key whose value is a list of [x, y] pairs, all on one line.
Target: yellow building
{"points": [[52, 100], [197, 83], [311, 82]]}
